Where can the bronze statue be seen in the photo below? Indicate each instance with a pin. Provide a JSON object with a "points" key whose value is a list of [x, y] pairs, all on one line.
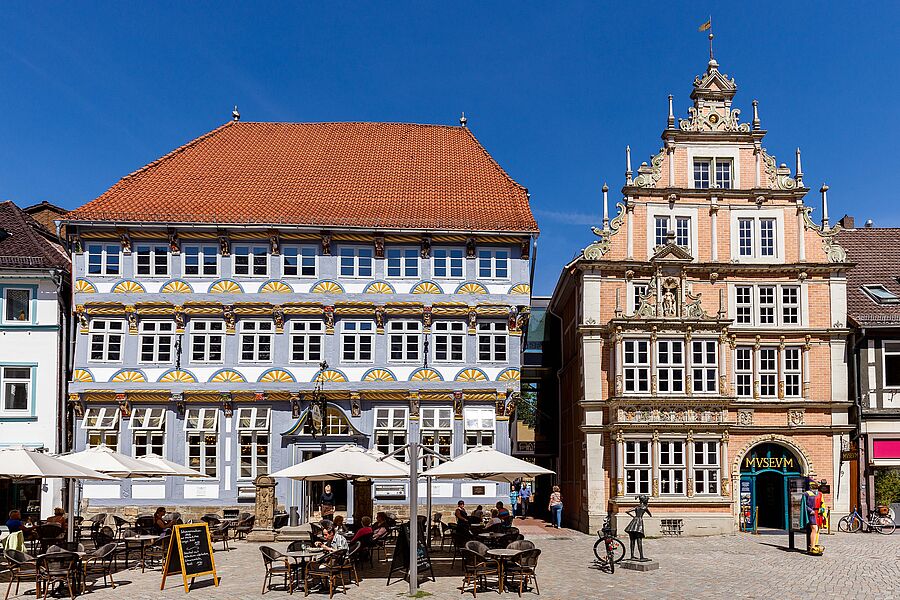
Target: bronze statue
{"points": [[635, 529]]}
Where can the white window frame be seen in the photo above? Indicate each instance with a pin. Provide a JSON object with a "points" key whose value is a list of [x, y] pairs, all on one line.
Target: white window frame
{"points": [[28, 382], [356, 262], [495, 336], [205, 419], [148, 423], [767, 305], [250, 253], [149, 330], [743, 304], [305, 331], [698, 165], [150, 249], [105, 335], [636, 372], [791, 307], [729, 163], [779, 308], [201, 260], [770, 373], [404, 257], [257, 436], [637, 471], [436, 427], [480, 423], [30, 316], [495, 257], [672, 215], [351, 337], [792, 371], [393, 423], [448, 259], [637, 289], [454, 334], [105, 426], [755, 215], [206, 335], [107, 250], [888, 349], [670, 370], [743, 371], [705, 472], [257, 331], [408, 334], [711, 154], [202, 431], [705, 376], [300, 252], [672, 472]]}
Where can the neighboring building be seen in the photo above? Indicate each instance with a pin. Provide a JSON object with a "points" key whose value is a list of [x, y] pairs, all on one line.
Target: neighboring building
{"points": [[34, 308], [873, 309], [704, 337], [47, 215], [212, 283]]}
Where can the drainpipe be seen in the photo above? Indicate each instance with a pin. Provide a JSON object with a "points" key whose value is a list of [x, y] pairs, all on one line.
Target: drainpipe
{"points": [[862, 466]]}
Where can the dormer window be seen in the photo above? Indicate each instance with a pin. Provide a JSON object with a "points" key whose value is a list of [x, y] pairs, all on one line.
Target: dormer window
{"points": [[881, 294]]}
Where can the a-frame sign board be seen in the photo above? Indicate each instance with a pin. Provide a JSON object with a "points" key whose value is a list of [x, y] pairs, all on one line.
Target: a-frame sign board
{"points": [[190, 553]]}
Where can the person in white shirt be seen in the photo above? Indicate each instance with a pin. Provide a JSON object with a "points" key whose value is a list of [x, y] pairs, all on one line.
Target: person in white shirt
{"points": [[333, 540]]}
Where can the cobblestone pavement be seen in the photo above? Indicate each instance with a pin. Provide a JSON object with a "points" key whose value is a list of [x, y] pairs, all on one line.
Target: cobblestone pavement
{"points": [[740, 566]]}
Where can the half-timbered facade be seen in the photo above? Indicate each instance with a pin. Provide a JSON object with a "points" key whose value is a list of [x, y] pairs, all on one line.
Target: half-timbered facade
{"points": [[704, 335], [389, 264]]}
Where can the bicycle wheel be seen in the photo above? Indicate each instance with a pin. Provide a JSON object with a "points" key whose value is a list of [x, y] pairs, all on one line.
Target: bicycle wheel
{"points": [[618, 549], [885, 526], [610, 559], [855, 524], [600, 551], [844, 525]]}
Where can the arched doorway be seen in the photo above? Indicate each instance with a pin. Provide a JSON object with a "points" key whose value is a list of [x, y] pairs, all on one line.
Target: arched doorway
{"points": [[766, 471]]}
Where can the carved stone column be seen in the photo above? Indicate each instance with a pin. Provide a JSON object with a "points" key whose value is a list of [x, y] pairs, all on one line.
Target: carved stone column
{"points": [[620, 464], [264, 525]]}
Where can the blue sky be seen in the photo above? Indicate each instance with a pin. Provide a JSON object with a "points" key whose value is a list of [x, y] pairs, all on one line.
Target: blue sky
{"points": [[93, 91]]}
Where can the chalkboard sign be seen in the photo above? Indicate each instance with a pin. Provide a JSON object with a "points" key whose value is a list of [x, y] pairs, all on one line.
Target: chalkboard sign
{"points": [[190, 553], [400, 559]]}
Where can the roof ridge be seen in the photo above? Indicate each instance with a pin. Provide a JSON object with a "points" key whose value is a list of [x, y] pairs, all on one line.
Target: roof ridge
{"points": [[440, 125]]}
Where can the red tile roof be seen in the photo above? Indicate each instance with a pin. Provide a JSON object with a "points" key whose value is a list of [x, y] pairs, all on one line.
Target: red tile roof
{"points": [[875, 252], [373, 175], [26, 244]]}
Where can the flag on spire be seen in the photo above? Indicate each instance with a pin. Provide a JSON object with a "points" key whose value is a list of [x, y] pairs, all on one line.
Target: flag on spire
{"points": [[706, 26]]}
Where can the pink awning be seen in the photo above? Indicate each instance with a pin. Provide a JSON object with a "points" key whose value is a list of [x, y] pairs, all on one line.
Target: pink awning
{"points": [[885, 449]]}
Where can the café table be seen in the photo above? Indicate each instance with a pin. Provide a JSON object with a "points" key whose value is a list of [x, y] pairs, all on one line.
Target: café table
{"points": [[490, 537], [142, 542], [301, 558], [502, 555]]}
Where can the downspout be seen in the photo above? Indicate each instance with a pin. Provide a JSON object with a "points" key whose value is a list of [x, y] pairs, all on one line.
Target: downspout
{"points": [[861, 455]]}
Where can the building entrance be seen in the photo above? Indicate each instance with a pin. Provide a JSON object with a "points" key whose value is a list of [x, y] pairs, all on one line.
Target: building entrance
{"points": [[765, 471], [315, 489]]}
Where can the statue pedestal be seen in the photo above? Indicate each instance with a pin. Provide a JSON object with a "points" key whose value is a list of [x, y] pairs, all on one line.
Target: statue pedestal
{"points": [[264, 525], [259, 535], [637, 565], [291, 534]]}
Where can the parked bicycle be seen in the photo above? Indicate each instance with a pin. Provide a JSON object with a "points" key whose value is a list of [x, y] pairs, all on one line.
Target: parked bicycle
{"points": [[609, 549], [874, 522]]}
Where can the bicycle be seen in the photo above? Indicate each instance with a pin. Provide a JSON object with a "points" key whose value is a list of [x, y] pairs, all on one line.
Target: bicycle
{"points": [[878, 523], [611, 547]]}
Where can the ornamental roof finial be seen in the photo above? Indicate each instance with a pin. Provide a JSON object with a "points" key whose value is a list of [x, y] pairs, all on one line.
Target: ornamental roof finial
{"points": [[463, 120], [605, 207], [670, 124], [235, 115], [756, 114], [628, 172], [824, 191], [798, 176], [712, 61]]}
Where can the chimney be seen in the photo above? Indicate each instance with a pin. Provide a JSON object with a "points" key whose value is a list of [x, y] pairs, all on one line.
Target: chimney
{"points": [[846, 222]]}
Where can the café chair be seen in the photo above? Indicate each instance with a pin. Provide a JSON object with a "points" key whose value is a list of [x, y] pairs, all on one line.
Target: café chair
{"points": [[522, 569], [220, 533], [276, 564], [100, 561], [244, 526], [330, 567], [478, 569], [22, 567], [353, 555], [58, 567]]}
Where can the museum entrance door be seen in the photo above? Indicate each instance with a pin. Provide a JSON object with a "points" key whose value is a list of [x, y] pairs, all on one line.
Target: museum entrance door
{"points": [[765, 471]]}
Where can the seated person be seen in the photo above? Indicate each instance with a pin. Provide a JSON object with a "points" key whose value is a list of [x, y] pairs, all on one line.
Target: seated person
{"points": [[380, 529], [14, 523], [363, 531], [503, 513], [333, 540], [495, 520], [339, 525], [478, 515], [59, 517], [160, 525]]}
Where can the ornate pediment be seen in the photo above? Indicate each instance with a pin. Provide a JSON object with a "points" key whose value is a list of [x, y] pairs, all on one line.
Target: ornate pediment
{"points": [[712, 112], [671, 252]]}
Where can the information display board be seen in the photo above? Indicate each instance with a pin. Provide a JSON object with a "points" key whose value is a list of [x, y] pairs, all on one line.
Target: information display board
{"points": [[190, 553], [400, 559]]}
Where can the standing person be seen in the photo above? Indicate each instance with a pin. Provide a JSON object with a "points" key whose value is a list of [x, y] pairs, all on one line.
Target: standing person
{"points": [[513, 502], [462, 517], [326, 504], [814, 503], [555, 507], [525, 498]]}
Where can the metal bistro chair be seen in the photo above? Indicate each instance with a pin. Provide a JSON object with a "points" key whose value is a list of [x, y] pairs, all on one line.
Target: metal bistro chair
{"points": [[211, 519], [102, 561], [522, 568], [49, 534], [520, 545], [220, 533], [22, 567], [329, 567], [477, 569], [58, 567], [123, 526], [276, 564], [447, 531], [157, 549], [244, 526], [349, 565]]}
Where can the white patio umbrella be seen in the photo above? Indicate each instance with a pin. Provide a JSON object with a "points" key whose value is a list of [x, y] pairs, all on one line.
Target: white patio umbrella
{"points": [[346, 462], [106, 460], [17, 462], [173, 469], [483, 463]]}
